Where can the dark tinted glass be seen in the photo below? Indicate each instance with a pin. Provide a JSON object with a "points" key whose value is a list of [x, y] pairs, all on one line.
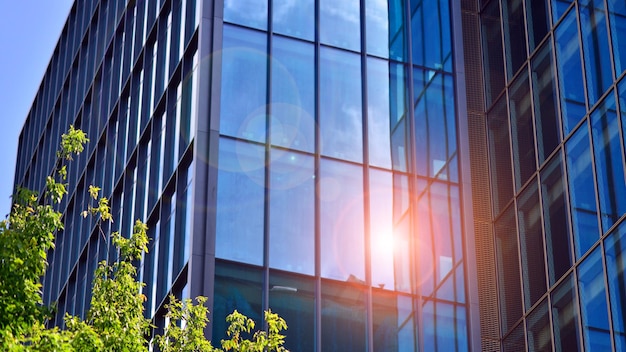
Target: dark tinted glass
{"points": [[393, 320], [430, 28], [522, 134], [615, 251], [343, 317], [545, 102], [595, 47], [537, 14], [555, 219], [509, 287], [516, 340], [608, 160], [531, 245], [500, 156], [514, 34], [492, 44], [565, 316], [581, 191], [538, 327]]}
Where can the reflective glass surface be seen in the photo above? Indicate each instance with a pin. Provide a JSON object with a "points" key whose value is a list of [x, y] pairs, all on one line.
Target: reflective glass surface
{"points": [[343, 317], [341, 221], [430, 30], [609, 162], [291, 212], [538, 20], [384, 239], [595, 48], [522, 134], [492, 45], [510, 292], [394, 322], [378, 112], [251, 13], [340, 24], [615, 251], [377, 27], [617, 19], [565, 317], [593, 305], [293, 94], [500, 156], [569, 68], [240, 195], [294, 18], [582, 196], [538, 329], [545, 102], [555, 218], [340, 118], [514, 34], [243, 93]]}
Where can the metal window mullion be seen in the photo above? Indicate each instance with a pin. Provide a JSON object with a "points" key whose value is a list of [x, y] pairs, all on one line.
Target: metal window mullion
{"points": [[267, 169], [317, 330]]}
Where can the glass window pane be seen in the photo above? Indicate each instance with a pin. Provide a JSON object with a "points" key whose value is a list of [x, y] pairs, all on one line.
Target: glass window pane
{"points": [[292, 192], [339, 24], [377, 24], [393, 320], [608, 160], [510, 291], [538, 329], [593, 303], [340, 119], [531, 245], [243, 99], [570, 72], [294, 18], [617, 17], [240, 202], [397, 31], [500, 156], [522, 134], [558, 8], [341, 221], [430, 27], [492, 44], [595, 47], [293, 297], [555, 220], [615, 250], [516, 340], [382, 235], [378, 113], [514, 34], [537, 14], [565, 316], [293, 94], [545, 103], [582, 197], [343, 317], [251, 13]]}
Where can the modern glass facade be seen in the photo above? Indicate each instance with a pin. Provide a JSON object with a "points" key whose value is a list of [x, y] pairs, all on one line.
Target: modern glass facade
{"points": [[552, 126]]}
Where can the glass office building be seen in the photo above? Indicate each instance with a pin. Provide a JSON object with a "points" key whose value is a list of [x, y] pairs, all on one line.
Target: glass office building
{"points": [[546, 107], [386, 175]]}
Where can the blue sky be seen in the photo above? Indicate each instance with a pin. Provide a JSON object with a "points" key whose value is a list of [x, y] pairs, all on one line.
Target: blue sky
{"points": [[29, 30]]}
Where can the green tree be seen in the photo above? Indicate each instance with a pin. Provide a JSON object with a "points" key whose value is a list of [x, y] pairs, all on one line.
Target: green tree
{"points": [[115, 320]]}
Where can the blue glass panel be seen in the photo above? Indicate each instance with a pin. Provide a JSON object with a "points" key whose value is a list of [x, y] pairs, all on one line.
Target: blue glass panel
{"points": [[377, 27], [430, 31], [378, 113], [608, 160], [565, 316], [240, 202], [582, 196], [443, 246], [251, 13], [292, 192], [397, 30], [340, 119], [434, 122], [341, 221], [294, 18], [522, 134], [384, 240], [244, 76], [340, 24], [343, 317], [617, 18], [293, 94], [593, 305], [545, 103], [595, 47], [558, 8], [569, 66], [615, 251], [538, 329], [555, 219], [531, 245]]}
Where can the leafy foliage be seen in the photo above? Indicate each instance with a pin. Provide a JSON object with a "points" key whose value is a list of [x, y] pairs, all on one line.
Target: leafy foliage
{"points": [[115, 320]]}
